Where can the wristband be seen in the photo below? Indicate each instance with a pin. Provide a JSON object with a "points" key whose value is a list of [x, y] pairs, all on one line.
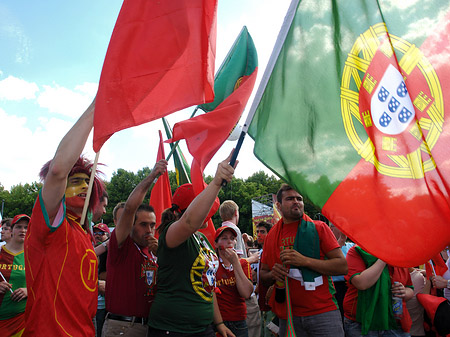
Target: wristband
{"points": [[217, 324]]}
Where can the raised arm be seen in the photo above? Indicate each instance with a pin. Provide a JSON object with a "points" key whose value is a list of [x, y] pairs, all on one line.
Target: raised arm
{"points": [[66, 155], [194, 216], [125, 223]]}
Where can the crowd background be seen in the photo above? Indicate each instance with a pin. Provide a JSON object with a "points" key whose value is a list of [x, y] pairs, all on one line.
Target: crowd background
{"points": [[20, 198]]}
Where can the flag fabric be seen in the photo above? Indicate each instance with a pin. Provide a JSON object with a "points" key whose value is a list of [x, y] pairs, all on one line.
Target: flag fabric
{"points": [[161, 195], [206, 133], [436, 265], [160, 59], [183, 172], [350, 112], [182, 169], [231, 70]]}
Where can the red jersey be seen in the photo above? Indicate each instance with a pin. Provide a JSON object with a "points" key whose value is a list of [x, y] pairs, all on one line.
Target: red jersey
{"points": [[304, 302], [356, 266], [61, 275], [232, 305], [131, 278]]}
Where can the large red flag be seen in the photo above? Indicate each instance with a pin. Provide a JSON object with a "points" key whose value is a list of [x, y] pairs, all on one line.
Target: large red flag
{"points": [[161, 196], [160, 59]]}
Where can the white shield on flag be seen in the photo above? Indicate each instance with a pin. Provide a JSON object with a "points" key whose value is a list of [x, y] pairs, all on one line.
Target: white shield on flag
{"points": [[391, 107]]}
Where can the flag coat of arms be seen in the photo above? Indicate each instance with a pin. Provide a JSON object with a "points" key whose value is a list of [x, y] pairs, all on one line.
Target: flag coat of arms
{"points": [[353, 111]]}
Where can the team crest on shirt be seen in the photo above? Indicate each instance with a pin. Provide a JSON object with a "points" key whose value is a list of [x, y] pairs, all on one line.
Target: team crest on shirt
{"points": [[390, 89], [89, 270], [148, 271], [203, 271]]}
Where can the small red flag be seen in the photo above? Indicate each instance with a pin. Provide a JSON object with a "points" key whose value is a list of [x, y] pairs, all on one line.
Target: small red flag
{"points": [[160, 59], [161, 195], [206, 133]]}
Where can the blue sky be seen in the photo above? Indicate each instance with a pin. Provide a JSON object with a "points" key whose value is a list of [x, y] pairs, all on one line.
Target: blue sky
{"points": [[50, 64]]}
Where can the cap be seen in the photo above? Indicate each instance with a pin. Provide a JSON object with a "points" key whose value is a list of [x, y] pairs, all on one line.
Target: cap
{"points": [[183, 196], [220, 230], [19, 217], [102, 227]]}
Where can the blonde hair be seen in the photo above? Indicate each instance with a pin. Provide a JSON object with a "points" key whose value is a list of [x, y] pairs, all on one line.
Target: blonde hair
{"points": [[228, 209]]}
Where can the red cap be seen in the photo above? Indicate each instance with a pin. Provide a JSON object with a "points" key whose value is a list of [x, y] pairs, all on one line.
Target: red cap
{"points": [[183, 196], [102, 227], [220, 230], [19, 217]]}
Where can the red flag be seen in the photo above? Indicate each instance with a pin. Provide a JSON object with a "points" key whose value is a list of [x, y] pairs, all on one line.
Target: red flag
{"points": [[438, 266], [160, 59], [161, 196], [206, 133]]}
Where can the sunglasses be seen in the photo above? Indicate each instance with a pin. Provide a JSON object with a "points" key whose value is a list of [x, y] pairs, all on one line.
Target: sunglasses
{"points": [[100, 233]]}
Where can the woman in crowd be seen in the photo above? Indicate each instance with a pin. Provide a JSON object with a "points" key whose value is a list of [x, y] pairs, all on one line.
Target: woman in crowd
{"points": [[185, 303], [13, 289], [233, 282], [368, 303]]}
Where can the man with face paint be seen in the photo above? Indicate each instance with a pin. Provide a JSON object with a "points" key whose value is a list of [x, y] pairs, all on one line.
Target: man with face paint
{"points": [[61, 265]]}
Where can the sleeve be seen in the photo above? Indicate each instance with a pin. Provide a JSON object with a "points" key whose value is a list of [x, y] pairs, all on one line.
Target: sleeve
{"points": [[355, 264], [246, 268], [328, 241], [114, 252], [40, 220]]}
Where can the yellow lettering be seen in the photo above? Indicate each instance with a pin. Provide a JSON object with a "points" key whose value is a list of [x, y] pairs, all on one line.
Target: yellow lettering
{"points": [[92, 267]]}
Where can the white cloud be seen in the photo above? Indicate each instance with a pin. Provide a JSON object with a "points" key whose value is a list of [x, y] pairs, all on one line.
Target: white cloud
{"points": [[67, 102], [16, 89], [317, 9]]}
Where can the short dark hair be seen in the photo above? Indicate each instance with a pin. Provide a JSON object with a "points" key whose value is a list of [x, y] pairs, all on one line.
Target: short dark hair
{"points": [[6, 222], [104, 195], [283, 188], [264, 224], [143, 208]]}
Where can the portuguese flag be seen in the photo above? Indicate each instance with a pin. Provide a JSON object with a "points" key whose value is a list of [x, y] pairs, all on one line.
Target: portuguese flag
{"points": [[353, 112]]}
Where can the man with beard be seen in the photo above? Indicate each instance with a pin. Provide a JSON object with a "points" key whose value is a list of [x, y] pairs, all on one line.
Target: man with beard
{"points": [[131, 264], [304, 252], [61, 265]]}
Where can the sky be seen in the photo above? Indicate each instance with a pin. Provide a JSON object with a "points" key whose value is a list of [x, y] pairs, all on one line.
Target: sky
{"points": [[51, 58]]}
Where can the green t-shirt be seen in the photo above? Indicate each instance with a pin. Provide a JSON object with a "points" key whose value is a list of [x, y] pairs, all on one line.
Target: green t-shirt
{"points": [[12, 266], [186, 281]]}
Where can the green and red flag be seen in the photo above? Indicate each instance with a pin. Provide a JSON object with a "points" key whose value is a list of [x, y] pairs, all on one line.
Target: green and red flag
{"points": [[353, 112], [183, 173], [206, 133], [160, 60], [161, 195], [182, 169]]}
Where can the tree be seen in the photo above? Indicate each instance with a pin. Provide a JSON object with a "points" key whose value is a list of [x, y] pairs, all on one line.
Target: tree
{"points": [[21, 199]]}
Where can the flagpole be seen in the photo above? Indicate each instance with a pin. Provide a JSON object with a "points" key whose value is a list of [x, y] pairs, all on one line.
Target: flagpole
{"points": [[6, 282], [176, 143], [265, 79], [89, 191]]}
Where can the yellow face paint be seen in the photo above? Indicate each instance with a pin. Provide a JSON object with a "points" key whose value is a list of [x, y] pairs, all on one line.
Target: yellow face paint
{"points": [[77, 185]]}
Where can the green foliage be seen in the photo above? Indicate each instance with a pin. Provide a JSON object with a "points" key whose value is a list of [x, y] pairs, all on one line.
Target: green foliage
{"points": [[20, 199]]}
